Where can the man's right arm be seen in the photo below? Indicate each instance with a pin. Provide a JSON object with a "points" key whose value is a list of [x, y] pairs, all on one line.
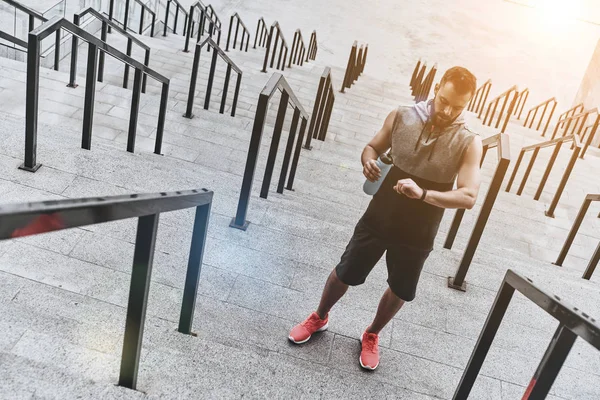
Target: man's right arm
{"points": [[380, 143]]}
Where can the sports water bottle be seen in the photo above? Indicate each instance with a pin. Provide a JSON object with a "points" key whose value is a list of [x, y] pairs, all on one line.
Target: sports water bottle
{"points": [[384, 162]]}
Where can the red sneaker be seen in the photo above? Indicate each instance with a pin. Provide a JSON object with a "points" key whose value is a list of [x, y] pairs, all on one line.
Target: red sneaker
{"points": [[369, 354], [302, 332]]}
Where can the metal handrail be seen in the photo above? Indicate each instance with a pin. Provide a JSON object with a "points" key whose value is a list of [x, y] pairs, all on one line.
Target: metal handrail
{"points": [[423, 88], [480, 97], [588, 142], [217, 51], [166, 22], [321, 114], [581, 117], [33, 15], [13, 39], [277, 82], [18, 220], [522, 99], [281, 66], [356, 65], [589, 271], [313, 47], [214, 26], [245, 32], [415, 82], [501, 142], [106, 23], [125, 23], [535, 110], [504, 95], [571, 111], [572, 324], [94, 46], [298, 49], [557, 143], [264, 33]]}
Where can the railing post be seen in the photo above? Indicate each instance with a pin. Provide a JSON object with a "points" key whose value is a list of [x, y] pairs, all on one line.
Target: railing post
{"points": [[256, 36], [328, 110], [138, 299], [591, 137], [551, 162], [153, 23], [528, 170], [551, 363], [162, 114], [142, 20], [458, 281], [167, 17], [315, 113], [31, 23], [563, 182], [74, 51], [523, 104], [192, 278], [145, 77], [510, 110], [484, 342], [239, 221], [189, 30], [126, 73], [589, 271], [177, 20], [415, 72], [31, 104], [103, 37], [515, 169], [229, 34], [347, 76], [111, 11], [573, 232], [225, 88], [502, 109], [211, 78], [126, 22], [90, 94], [294, 167], [57, 51], [288, 150], [193, 79], [135, 109], [237, 28], [236, 94], [275, 50], [269, 39], [281, 111]]}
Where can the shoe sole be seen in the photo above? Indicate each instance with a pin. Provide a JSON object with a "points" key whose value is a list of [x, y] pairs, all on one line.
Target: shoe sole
{"points": [[361, 363], [321, 329]]}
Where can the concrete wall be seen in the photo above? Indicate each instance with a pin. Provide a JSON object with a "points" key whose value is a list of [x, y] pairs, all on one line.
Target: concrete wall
{"points": [[589, 90]]}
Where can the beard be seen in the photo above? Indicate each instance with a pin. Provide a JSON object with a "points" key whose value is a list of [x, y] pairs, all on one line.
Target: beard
{"points": [[441, 120]]}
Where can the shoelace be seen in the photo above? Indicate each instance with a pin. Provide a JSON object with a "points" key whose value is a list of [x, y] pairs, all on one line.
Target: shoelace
{"points": [[370, 343]]}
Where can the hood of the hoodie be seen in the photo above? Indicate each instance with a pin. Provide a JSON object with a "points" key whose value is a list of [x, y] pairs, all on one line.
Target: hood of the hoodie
{"points": [[424, 109]]}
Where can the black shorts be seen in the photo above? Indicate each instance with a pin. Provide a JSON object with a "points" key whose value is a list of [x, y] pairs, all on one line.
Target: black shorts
{"points": [[404, 263]]}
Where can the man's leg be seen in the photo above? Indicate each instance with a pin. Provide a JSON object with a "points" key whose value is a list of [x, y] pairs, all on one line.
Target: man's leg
{"points": [[333, 291], [389, 305]]}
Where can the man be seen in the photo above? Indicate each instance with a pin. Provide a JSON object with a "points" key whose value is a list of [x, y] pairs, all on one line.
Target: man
{"points": [[430, 148]]}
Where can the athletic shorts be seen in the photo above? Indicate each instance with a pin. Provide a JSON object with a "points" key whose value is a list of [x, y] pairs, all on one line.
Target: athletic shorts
{"points": [[404, 263]]}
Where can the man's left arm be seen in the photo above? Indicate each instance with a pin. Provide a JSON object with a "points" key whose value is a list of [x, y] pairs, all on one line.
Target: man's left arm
{"points": [[468, 182]]}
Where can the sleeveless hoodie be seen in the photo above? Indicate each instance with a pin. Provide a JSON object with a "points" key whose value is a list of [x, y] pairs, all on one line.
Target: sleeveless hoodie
{"points": [[429, 156]]}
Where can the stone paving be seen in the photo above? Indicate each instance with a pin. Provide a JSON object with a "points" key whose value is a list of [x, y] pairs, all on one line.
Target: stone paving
{"points": [[63, 295]]}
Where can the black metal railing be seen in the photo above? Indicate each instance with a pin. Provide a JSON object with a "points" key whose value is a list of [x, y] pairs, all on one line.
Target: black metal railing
{"points": [[313, 47], [417, 76], [217, 51], [557, 143], [575, 122], [34, 218], [205, 14], [531, 118], [106, 23], [298, 50], [277, 33], [245, 33], [356, 65], [424, 87], [502, 144], [261, 38], [493, 105], [32, 17], [319, 122], [95, 45], [178, 9], [477, 103], [573, 323], [125, 24], [521, 100], [276, 82], [13, 39], [589, 271]]}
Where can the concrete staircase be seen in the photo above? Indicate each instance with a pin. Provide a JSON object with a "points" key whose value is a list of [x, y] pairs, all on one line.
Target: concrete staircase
{"points": [[63, 295]]}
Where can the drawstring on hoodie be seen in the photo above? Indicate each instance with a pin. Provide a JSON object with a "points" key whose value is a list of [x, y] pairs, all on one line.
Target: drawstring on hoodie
{"points": [[429, 125]]}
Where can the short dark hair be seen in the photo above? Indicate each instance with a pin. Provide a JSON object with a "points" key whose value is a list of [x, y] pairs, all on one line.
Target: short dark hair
{"points": [[462, 79]]}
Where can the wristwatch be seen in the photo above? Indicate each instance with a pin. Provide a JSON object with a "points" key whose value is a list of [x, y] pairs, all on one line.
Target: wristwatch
{"points": [[424, 194]]}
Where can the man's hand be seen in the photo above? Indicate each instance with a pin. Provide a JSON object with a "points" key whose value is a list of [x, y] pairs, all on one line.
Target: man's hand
{"points": [[371, 171], [409, 188]]}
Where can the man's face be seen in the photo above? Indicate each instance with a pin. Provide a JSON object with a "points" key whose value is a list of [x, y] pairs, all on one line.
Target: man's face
{"points": [[448, 104]]}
